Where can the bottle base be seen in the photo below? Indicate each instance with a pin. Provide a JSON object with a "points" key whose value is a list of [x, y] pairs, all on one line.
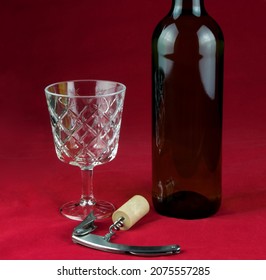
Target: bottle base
{"points": [[187, 205]]}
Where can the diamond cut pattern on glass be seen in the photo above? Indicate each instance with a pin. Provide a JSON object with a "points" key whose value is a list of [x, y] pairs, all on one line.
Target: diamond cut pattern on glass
{"points": [[86, 130]]}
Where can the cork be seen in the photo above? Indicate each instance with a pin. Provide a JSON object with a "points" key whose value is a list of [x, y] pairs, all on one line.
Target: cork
{"points": [[132, 211]]}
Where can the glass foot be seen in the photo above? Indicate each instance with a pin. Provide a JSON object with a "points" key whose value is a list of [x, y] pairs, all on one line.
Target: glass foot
{"points": [[77, 210]]}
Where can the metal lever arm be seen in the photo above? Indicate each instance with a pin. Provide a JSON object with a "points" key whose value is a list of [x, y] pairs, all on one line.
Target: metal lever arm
{"points": [[86, 226], [82, 235]]}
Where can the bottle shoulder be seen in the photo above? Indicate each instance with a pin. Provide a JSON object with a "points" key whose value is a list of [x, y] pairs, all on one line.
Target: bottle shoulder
{"points": [[187, 25]]}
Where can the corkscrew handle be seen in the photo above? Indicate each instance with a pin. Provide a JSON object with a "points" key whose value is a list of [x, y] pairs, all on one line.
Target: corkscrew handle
{"points": [[123, 218], [100, 243]]}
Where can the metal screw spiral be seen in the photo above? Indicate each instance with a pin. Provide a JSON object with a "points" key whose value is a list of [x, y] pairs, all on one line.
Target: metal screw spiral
{"points": [[114, 228]]}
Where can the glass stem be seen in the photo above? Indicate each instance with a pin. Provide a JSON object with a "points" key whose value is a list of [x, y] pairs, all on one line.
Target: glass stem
{"points": [[87, 197]]}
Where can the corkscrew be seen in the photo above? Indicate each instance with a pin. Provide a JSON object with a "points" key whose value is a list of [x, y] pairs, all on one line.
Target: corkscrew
{"points": [[123, 219]]}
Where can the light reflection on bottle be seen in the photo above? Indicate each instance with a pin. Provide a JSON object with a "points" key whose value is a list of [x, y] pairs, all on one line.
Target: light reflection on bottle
{"points": [[207, 64]]}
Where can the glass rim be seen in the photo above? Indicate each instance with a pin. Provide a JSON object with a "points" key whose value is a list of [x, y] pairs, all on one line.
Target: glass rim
{"points": [[47, 91]]}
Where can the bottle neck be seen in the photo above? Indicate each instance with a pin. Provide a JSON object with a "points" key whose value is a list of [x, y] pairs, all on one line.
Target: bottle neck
{"points": [[188, 7]]}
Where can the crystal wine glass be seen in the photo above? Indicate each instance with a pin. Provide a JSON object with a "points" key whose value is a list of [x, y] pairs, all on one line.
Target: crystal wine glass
{"points": [[86, 118]]}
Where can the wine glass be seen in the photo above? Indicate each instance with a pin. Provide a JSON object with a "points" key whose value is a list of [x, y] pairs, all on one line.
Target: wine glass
{"points": [[85, 118]]}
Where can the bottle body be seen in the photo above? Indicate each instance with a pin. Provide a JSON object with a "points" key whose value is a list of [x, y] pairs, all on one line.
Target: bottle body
{"points": [[187, 72]]}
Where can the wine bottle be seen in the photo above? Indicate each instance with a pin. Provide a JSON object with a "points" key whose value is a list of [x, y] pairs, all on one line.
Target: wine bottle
{"points": [[187, 96]]}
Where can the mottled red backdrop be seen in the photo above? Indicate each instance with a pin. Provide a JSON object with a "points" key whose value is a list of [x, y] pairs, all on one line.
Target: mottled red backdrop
{"points": [[52, 40]]}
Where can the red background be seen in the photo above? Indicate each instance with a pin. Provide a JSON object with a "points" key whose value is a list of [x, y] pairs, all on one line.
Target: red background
{"points": [[51, 40]]}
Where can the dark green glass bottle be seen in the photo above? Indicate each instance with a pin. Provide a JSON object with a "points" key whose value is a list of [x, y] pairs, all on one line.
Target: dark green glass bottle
{"points": [[187, 85]]}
